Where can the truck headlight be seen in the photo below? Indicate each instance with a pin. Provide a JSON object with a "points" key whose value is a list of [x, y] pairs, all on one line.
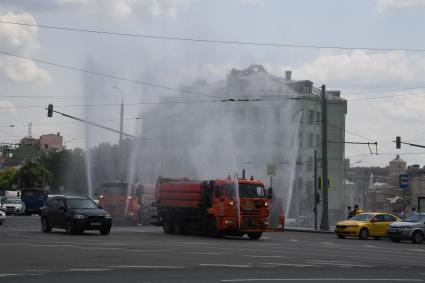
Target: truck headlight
{"points": [[79, 216]]}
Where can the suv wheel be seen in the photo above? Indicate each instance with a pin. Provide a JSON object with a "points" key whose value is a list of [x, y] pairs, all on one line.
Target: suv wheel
{"points": [[45, 227], [70, 229], [105, 230]]}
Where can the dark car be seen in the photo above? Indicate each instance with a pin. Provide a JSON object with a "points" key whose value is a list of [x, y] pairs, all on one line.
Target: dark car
{"points": [[74, 214]]}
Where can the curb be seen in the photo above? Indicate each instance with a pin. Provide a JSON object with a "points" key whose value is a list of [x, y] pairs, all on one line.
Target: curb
{"points": [[308, 231]]}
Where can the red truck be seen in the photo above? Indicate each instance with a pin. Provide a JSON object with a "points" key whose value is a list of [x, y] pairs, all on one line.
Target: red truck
{"points": [[216, 207], [115, 198]]}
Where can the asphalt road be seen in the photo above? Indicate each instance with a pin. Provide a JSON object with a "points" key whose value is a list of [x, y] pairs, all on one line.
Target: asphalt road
{"points": [[146, 254]]}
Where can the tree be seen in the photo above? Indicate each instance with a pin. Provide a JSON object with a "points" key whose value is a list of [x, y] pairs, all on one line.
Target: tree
{"points": [[33, 175], [7, 175]]}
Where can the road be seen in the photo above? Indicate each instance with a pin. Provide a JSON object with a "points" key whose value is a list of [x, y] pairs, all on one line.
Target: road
{"points": [[146, 254]]}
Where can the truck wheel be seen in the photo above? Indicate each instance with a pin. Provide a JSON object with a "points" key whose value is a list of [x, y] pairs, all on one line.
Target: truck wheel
{"points": [[417, 237], [212, 228], [45, 227], [178, 227], [167, 226], [255, 235]]}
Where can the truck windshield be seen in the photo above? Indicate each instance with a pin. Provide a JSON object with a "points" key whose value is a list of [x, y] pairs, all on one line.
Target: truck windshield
{"points": [[115, 191], [32, 193], [81, 204], [246, 190]]}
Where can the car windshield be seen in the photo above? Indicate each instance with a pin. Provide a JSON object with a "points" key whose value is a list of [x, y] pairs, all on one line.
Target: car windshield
{"points": [[246, 190], [81, 204], [415, 218], [362, 217], [14, 201]]}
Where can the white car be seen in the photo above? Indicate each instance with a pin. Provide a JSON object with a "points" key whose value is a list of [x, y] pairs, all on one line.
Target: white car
{"points": [[13, 206], [2, 217]]}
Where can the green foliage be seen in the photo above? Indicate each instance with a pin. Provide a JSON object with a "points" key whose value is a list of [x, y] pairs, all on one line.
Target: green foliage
{"points": [[7, 175], [32, 175]]}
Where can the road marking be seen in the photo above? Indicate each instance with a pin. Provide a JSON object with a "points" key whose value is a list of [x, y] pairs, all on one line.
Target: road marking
{"points": [[148, 266], [369, 246], [288, 264], [416, 250], [268, 256], [88, 269], [98, 248], [266, 244], [206, 253], [37, 270], [328, 243], [225, 265], [293, 240], [346, 265], [10, 275], [324, 279], [147, 250]]}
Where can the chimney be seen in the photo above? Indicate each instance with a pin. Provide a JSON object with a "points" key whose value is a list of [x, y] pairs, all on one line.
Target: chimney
{"points": [[398, 156], [288, 75], [58, 134]]}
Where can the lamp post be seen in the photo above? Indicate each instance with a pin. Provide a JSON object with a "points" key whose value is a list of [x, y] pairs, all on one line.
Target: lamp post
{"points": [[121, 131]]}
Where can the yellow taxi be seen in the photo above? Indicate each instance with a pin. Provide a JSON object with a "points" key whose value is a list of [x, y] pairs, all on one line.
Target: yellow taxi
{"points": [[364, 225]]}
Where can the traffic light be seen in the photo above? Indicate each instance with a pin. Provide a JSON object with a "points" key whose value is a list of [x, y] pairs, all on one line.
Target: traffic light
{"points": [[397, 142], [50, 110]]}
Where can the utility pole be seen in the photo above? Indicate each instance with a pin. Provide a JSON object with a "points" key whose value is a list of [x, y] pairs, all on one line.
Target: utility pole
{"points": [[324, 225], [316, 193], [121, 163]]}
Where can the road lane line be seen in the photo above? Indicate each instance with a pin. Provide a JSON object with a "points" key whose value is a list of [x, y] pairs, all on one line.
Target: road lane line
{"points": [[147, 250], [225, 265], [206, 253], [324, 279], [88, 269], [10, 275], [288, 264], [37, 270], [148, 266], [417, 250], [267, 256]]}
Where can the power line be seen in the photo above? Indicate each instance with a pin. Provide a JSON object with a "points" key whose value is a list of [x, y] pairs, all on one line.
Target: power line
{"points": [[200, 40], [108, 75]]}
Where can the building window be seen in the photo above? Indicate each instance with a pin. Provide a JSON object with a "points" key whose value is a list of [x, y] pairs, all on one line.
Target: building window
{"points": [[310, 117], [310, 140], [318, 117], [300, 139], [318, 141], [310, 164], [300, 184], [309, 187]]}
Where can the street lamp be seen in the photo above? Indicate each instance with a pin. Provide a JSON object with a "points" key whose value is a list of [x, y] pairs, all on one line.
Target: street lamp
{"points": [[121, 131]]}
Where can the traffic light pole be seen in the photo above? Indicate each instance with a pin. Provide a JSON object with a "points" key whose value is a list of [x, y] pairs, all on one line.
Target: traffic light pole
{"points": [[88, 122], [324, 225]]}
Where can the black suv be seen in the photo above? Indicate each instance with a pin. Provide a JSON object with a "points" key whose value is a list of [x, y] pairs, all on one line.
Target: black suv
{"points": [[74, 214]]}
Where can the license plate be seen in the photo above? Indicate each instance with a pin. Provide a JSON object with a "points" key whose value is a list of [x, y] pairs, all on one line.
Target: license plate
{"points": [[96, 224]]}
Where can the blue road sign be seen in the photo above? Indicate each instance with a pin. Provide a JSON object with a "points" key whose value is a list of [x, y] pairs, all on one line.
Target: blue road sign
{"points": [[404, 181]]}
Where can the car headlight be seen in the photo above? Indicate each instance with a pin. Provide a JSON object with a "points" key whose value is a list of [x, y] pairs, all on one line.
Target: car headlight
{"points": [[107, 216], [79, 216]]}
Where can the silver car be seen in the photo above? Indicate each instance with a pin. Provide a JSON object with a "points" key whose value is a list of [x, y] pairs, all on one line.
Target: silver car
{"points": [[412, 228], [13, 206]]}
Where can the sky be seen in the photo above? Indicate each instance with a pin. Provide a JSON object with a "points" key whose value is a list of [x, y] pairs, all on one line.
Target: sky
{"points": [[385, 88]]}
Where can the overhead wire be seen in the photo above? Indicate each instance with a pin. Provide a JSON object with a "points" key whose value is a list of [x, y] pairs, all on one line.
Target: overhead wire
{"points": [[213, 41]]}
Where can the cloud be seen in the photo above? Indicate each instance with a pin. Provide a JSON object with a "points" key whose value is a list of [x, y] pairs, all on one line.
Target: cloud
{"points": [[365, 68], [22, 41], [167, 7], [383, 5], [111, 8]]}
